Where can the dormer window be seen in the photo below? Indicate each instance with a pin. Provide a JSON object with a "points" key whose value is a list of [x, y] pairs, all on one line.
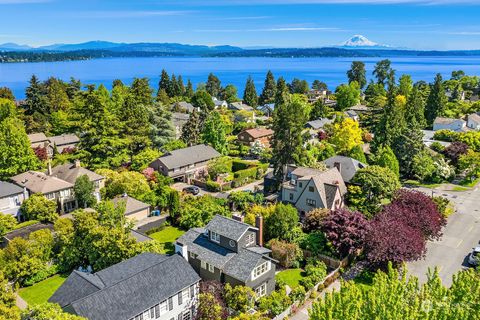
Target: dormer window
{"points": [[261, 269], [250, 239], [215, 237]]}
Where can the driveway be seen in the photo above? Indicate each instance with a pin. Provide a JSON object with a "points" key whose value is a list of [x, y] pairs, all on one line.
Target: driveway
{"points": [[180, 185], [461, 234]]}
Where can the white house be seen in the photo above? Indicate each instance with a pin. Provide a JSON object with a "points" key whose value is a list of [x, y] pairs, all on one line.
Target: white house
{"points": [[449, 124], [473, 121]]}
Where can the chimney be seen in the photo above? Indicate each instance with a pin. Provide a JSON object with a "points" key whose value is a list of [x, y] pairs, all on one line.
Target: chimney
{"points": [[49, 170], [259, 225], [237, 217], [76, 163]]}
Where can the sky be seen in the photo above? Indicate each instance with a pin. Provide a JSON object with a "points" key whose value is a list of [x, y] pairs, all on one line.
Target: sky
{"points": [[416, 24]]}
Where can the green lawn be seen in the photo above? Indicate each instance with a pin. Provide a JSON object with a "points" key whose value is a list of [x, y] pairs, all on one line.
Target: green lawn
{"points": [[290, 276], [41, 291], [167, 236]]}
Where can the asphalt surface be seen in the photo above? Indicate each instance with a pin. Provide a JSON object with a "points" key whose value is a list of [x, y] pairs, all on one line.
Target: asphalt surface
{"points": [[460, 236]]}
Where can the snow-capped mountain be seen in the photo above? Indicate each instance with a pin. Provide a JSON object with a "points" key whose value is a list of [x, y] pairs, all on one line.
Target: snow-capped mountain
{"points": [[361, 42]]}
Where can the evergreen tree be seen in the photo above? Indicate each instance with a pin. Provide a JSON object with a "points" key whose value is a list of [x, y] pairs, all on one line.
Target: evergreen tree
{"points": [[165, 83], [382, 70], [289, 118], [319, 85], [74, 87], [84, 189], [250, 94], [16, 156], [406, 85], [161, 127], [213, 86], [36, 106], [387, 159], [357, 73], [6, 93], [437, 100], [189, 92], [406, 147], [203, 100], [392, 123], [180, 86], [191, 131], [269, 89], [141, 92], [415, 110], [229, 93], [214, 132]]}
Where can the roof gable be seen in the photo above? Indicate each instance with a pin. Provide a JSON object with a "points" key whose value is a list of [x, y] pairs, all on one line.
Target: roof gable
{"points": [[186, 156], [227, 227]]}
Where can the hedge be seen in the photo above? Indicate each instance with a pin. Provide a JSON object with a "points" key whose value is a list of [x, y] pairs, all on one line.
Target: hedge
{"points": [[25, 224], [238, 165], [212, 186]]}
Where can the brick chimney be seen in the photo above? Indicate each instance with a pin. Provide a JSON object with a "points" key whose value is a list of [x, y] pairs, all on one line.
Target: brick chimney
{"points": [[237, 217], [76, 163], [259, 225]]}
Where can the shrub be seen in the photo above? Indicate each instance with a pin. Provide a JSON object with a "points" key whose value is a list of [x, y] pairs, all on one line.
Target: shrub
{"points": [[238, 165], [239, 298], [286, 253], [315, 271], [444, 206], [212, 186], [275, 303], [41, 275]]}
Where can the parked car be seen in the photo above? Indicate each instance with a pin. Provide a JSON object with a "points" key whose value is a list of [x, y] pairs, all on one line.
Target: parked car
{"points": [[474, 257], [192, 189]]}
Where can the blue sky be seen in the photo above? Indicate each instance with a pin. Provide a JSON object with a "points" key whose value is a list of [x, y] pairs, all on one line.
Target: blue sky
{"points": [[419, 24]]}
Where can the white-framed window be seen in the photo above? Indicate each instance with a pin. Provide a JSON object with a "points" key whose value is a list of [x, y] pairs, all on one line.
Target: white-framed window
{"points": [[261, 269], [311, 202], [203, 264], [186, 315], [261, 290], [215, 237], [192, 255], [250, 239], [163, 307], [211, 268], [50, 196]]}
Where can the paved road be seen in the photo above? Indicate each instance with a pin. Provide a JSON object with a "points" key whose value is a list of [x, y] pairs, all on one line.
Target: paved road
{"points": [[461, 234]]}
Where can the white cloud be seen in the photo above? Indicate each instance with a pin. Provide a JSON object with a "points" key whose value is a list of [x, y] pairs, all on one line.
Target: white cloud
{"points": [[466, 33]]}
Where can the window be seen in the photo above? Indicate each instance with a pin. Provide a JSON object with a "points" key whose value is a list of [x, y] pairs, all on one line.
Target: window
{"points": [[192, 291], [250, 239], [211, 268], [170, 304], [179, 317], [185, 294], [261, 290], [232, 243], [157, 311], [192, 255], [291, 196], [152, 313], [300, 185], [180, 298], [311, 189], [261, 269], [163, 307], [311, 202], [50, 196], [186, 315], [214, 236], [204, 265]]}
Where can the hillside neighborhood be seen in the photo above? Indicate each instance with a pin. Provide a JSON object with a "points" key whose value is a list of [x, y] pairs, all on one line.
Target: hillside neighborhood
{"points": [[169, 202]]}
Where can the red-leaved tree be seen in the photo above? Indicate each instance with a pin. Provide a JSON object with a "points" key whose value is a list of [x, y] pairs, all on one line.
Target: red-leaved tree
{"points": [[391, 239], [455, 150], [346, 230], [41, 153], [418, 211]]}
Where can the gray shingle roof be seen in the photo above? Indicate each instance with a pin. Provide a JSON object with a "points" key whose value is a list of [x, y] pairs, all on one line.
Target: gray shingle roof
{"points": [[319, 123], [348, 166], [132, 205], [227, 227], [26, 231], [130, 287], [9, 189], [69, 172], [37, 137], [186, 156], [241, 265], [39, 182], [64, 139]]}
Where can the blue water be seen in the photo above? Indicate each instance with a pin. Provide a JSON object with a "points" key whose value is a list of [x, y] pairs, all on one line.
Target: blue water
{"points": [[229, 70]]}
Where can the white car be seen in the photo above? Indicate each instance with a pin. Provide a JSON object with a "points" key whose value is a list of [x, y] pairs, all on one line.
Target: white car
{"points": [[474, 257]]}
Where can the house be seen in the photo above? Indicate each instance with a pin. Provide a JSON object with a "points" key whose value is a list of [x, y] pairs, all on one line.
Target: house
{"points": [[71, 172], [347, 166], [240, 106], [184, 106], [25, 232], [473, 121], [185, 164], [64, 142], [178, 121], [220, 103], [449, 124], [318, 124], [309, 188], [134, 209], [230, 251], [256, 135], [40, 140], [11, 198], [359, 108], [329, 103], [147, 286], [51, 187], [352, 114], [267, 109]]}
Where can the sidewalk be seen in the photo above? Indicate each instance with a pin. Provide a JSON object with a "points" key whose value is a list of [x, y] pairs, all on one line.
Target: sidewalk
{"points": [[302, 313], [21, 304]]}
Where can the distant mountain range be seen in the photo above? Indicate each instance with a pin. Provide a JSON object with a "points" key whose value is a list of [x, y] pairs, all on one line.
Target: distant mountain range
{"points": [[356, 46]]}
